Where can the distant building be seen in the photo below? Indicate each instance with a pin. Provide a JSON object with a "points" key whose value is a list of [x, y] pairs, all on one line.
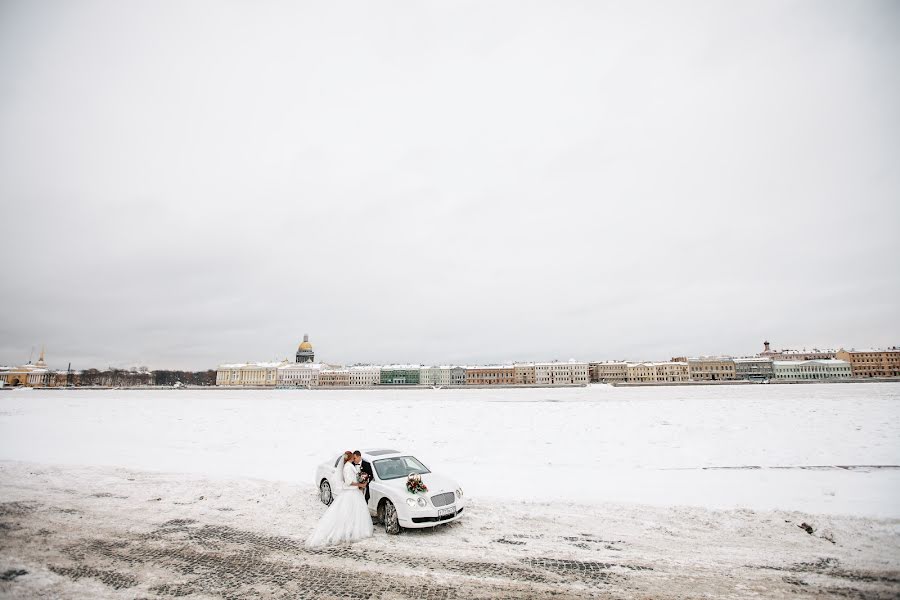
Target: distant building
{"points": [[524, 374], [812, 369], [30, 374], [641, 372], [261, 374], [673, 371], [756, 367], [609, 372], [561, 373], [299, 375], [491, 375], [657, 372], [401, 374], [711, 368], [444, 375], [872, 363], [767, 351], [814, 354], [305, 351], [330, 377], [457, 376], [430, 376], [365, 376]]}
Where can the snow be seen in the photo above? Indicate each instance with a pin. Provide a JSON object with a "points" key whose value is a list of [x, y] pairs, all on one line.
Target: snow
{"points": [[654, 364], [813, 361], [254, 365], [304, 367], [760, 447], [217, 538]]}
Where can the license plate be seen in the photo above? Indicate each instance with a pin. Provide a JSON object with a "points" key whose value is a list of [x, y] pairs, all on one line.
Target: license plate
{"points": [[443, 512]]}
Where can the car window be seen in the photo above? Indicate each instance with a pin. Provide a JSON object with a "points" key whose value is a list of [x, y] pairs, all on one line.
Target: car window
{"points": [[400, 466], [338, 461]]}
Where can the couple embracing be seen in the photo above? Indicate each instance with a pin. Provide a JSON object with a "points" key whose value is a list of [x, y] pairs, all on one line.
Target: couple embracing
{"points": [[347, 519]]}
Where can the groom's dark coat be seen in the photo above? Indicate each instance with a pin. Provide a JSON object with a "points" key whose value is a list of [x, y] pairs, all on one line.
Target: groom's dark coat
{"points": [[366, 468]]}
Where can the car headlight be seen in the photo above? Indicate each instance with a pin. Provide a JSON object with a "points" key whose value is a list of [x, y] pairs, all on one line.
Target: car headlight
{"points": [[459, 493], [422, 502], [411, 502]]}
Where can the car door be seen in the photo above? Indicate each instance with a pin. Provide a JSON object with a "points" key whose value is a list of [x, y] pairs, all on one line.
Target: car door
{"points": [[376, 488]]}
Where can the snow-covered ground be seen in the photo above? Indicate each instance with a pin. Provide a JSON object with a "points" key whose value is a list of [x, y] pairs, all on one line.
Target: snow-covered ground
{"points": [[109, 532], [829, 448]]}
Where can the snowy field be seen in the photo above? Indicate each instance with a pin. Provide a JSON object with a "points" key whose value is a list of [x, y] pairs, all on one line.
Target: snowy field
{"points": [[824, 449], [114, 533], [768, 491]]}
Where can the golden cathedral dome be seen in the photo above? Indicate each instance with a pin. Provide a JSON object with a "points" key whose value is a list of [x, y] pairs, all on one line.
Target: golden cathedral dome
{"points": [[305, 352]]}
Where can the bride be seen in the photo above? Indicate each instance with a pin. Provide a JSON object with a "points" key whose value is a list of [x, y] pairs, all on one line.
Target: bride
{"points": [[347, 519]]}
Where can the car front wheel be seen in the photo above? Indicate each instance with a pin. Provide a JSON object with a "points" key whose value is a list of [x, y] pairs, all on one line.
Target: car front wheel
{"points": [[389, 518], [325, 492]]}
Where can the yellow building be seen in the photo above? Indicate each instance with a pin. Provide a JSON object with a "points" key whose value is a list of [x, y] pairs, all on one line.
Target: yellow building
{"points": [[673, 371], [711, 368], [872, 363], [657, 372], [491, 375], [30, 374], [523, 373], [262, 374]]}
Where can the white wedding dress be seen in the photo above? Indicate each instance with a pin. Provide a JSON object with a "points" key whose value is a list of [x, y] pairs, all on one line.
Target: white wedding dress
{"points": [[347, 519]]}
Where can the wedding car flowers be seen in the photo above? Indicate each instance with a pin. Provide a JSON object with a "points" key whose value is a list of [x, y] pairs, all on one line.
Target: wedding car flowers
{"points": [[414, 484]]}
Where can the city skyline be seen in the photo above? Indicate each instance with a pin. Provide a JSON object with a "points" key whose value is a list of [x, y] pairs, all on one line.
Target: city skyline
{"points": [[305, 348], [786, 365]]}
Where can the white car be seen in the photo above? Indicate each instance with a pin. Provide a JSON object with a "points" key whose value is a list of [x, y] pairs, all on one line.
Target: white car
{"points": [[389, 500]]}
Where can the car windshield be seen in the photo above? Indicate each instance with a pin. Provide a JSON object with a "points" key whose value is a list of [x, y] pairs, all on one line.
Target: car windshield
{"points": [[400, 466]]}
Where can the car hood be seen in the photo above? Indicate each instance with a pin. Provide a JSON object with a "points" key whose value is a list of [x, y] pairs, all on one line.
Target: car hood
{"points": [[435, 483]]}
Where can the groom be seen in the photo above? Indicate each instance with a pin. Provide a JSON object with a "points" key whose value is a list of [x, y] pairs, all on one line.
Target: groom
{"points": [[357, 460]]}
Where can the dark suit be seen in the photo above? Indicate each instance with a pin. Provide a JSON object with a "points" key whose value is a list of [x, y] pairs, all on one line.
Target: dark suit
{"points": [[366, 468]]}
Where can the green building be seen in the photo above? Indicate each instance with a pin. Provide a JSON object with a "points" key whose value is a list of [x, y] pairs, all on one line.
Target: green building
{"points": [[400, 375]]}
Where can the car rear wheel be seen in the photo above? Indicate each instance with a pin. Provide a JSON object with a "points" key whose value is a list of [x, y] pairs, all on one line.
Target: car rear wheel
{"points": [[325, 492], [388, 516]]}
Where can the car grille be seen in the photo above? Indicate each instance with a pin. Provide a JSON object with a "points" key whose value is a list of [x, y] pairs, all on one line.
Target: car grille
{"points": [[442, 499]]}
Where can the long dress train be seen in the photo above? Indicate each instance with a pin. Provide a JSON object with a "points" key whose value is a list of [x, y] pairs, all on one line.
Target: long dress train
{"points": [[347, 519]]}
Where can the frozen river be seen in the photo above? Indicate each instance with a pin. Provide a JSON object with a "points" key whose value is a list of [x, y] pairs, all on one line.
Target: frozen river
{"points": [[819, 448]]}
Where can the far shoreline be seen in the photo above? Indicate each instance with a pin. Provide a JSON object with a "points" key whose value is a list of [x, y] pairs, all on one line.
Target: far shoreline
{"points": [[622, 384]]}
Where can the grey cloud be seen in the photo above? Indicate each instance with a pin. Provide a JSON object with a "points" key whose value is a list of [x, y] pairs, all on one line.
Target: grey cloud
{"points": [[194, 183]]}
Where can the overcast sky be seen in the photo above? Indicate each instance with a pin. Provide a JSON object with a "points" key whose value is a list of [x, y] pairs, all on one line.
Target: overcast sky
{"points": [[189, 183]]}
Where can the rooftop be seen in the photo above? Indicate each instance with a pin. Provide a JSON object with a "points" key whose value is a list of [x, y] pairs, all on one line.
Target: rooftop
{"points": [[818, 361], [253, 365], [655, 364]]}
